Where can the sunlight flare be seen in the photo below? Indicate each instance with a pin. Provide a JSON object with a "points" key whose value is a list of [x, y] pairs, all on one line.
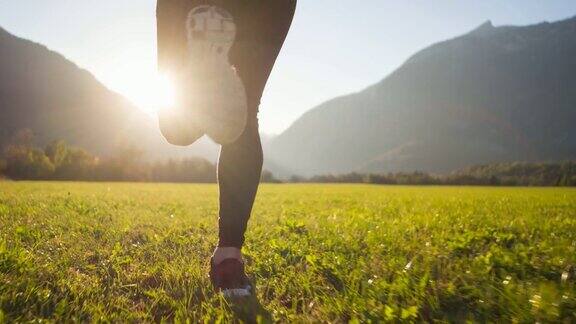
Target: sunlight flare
{"points": [[154, 94], [150, 92]]}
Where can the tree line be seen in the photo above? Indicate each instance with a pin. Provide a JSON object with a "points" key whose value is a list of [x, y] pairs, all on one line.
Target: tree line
{"points": [[22, 160], [495, 174]]}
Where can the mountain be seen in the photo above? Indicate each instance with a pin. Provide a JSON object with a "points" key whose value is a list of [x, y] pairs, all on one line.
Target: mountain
{"points": [[495, 94], [43, 91]]}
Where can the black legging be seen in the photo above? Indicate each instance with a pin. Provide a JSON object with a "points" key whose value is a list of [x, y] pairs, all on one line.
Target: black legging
{"points": [[262, 26]]}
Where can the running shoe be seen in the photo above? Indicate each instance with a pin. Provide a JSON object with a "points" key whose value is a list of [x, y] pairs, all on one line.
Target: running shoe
{"points": [[230, 278], [211, 97]]}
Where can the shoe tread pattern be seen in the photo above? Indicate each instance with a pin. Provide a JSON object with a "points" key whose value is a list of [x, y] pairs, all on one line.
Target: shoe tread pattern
{"points": [[215, 93]]}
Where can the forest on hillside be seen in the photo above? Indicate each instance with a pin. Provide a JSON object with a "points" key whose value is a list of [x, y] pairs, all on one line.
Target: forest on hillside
{"points": [[21, 159]]}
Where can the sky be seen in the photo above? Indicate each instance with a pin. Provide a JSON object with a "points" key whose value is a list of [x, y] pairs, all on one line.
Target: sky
{"points": [[335, 47]]}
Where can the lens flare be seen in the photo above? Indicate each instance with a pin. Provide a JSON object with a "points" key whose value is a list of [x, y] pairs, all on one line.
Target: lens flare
{"points": [[164, 96], [150, 92], [153, 94]]}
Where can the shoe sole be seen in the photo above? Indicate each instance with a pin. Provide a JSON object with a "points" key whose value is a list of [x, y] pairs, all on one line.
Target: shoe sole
{"points": [[217, 97], [176, 129], [237, 292]]}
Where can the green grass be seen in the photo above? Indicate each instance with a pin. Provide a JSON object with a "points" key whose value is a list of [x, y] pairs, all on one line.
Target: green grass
{"points": [[339, 253]]}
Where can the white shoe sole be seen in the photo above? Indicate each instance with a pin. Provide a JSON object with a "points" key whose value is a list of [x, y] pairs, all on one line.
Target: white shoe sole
{"points": [[216, 95], [237, 292]]}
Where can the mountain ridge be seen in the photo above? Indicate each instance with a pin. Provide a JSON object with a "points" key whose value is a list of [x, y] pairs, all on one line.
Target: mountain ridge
{"points": [[42, 90], [436, 83]]}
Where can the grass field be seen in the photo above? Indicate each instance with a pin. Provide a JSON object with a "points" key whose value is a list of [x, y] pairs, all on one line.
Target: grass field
{"points": [[338, 253]]}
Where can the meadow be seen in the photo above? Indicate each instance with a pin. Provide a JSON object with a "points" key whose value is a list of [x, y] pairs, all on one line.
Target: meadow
{"points": [[317, 253]]}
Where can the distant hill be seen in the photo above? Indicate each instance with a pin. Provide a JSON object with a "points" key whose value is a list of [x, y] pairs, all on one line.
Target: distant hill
{"points": [[43, 91], [495, 94]]}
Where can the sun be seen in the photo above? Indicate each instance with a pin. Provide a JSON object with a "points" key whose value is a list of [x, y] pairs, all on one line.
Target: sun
{"points": [[151, 93], [148, 90]]}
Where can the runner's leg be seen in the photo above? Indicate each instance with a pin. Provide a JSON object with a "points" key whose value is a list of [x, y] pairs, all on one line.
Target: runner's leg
{"points": [[262, 28]]}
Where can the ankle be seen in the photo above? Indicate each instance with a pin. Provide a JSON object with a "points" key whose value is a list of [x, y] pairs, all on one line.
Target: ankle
{"points": [[222, 253]]}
